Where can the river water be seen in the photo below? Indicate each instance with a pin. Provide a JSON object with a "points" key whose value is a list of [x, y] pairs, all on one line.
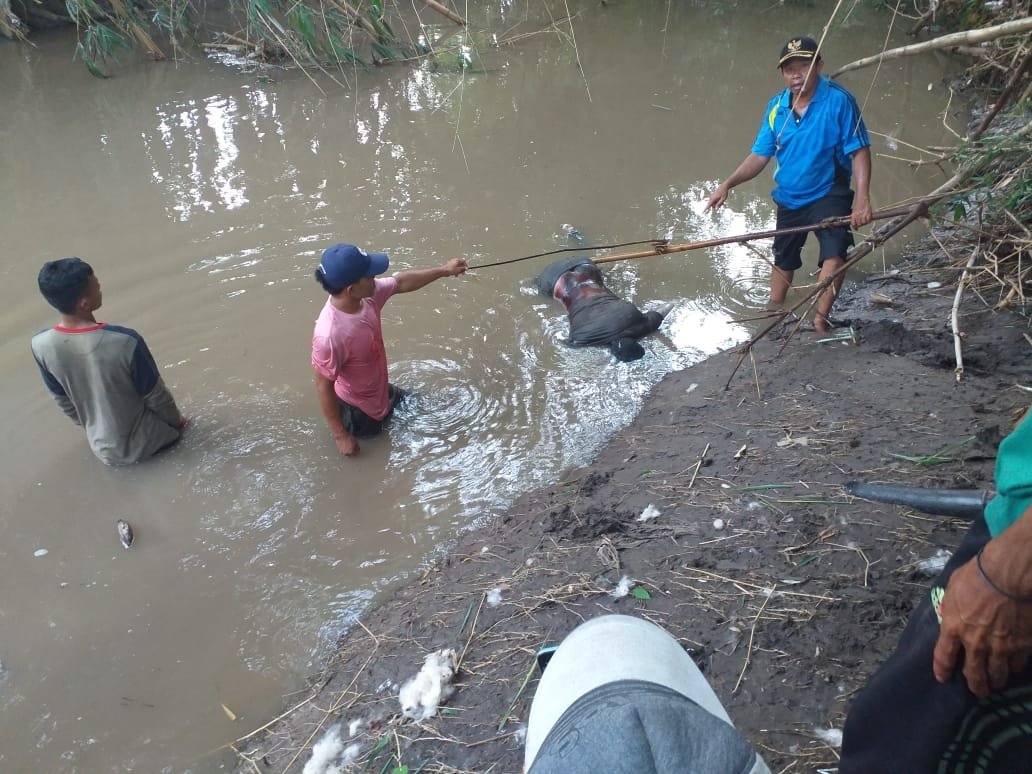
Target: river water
{"points": [[202, 196]]}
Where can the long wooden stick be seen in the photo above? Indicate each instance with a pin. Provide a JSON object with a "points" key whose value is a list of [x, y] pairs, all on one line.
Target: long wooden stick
{"points": [[662, 249]]}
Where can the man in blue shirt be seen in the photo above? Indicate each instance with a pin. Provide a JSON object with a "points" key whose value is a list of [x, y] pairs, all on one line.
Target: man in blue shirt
{"points": [[814, 131]]}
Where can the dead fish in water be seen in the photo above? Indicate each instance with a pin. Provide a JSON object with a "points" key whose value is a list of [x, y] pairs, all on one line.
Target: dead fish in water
{"points": [[125, 533]]}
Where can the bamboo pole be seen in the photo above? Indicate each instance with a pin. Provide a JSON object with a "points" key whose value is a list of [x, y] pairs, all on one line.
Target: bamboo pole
{"points": [[1013, 27], [445, 11], [662, 249]]}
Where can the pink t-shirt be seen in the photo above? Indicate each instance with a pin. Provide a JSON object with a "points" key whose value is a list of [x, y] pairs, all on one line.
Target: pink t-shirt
{"points": [[348, 348]]}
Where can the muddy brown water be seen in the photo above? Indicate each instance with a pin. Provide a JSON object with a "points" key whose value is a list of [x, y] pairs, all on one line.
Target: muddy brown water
{"points": [[202, 196]]}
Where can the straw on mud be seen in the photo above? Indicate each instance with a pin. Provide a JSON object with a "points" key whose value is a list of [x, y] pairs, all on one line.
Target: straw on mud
{"points": [[472, 631], [526, 679], [860, 551], [752, 634], [338, 703], [698, 465]]}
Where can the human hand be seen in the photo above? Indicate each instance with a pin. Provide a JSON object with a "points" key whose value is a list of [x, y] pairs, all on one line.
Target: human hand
{"points": [[717, 198], [993, 631], [347, 445], [862, 214], [456, 266]]}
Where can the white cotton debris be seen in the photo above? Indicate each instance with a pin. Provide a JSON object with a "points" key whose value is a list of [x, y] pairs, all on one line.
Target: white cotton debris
{"points": [[325, 753], [934, 285], [650, 512], [421, 694], [40, 552], [483, 549], [934, 564], [692, 387], [832, 736], [623, 588], [350, 754], [355, 726], [494, 597], [719, 524]]}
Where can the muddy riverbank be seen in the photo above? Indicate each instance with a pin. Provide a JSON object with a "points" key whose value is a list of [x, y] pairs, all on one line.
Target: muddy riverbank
{"points": [[748, 485]]}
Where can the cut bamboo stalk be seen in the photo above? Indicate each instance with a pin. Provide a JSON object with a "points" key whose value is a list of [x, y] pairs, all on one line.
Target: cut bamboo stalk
{"points": [[445, 11]]}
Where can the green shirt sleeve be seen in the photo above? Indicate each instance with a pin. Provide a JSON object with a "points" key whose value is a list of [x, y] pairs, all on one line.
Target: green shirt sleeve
{"points": [[1013, 478]]}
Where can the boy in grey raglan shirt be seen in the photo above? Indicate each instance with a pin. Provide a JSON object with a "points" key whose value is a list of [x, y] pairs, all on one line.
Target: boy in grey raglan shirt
{"points": [[102, 376]]}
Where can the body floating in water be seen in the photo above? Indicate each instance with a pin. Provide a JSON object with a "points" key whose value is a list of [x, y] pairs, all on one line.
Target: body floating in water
{"points": [[598, 317]]}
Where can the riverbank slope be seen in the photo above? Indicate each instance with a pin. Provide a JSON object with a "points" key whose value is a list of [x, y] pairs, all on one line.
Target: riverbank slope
{"points": [[786, 591]]}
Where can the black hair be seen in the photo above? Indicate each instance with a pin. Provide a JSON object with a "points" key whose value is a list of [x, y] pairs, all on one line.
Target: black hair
{"points": [[64, 282], [324, 283]]}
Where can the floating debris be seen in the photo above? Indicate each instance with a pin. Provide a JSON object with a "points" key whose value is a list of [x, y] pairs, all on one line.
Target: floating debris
{"points": [[719, 524], [125, 533], [494, 597], [421, 694], [40, 552]]}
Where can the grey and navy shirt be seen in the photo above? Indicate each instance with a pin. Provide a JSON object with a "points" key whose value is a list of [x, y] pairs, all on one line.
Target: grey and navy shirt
{"points": [[105, 379]]}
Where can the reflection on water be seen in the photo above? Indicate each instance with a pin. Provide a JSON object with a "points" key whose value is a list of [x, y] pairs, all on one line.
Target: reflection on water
{"points": [[203, 196]]}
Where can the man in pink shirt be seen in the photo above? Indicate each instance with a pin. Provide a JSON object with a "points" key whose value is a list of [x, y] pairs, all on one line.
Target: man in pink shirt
{"points": [[348, 354]]}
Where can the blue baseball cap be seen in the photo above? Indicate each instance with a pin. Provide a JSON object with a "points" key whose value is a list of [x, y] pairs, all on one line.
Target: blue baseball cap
{"points": [[343, 265]]}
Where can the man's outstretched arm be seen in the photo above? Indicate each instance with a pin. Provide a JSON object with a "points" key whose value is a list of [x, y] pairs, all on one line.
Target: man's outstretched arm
{"points": [[414, 279]]}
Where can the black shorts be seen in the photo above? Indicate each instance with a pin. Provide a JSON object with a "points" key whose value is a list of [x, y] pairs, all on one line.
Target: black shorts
{"points": [[360, 424], [833, 241]]}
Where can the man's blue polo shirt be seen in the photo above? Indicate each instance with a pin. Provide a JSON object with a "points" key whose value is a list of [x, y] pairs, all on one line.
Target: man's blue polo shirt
{"points": [[813, 151]]}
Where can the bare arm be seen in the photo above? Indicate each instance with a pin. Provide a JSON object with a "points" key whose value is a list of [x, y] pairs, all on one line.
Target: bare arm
{"points": [[862, 181], [986, 630], [346, 443], [414, 279], [747, 170]]}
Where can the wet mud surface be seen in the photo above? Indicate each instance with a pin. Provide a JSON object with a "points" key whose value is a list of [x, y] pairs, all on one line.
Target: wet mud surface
{"points": [[786, 591]]}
